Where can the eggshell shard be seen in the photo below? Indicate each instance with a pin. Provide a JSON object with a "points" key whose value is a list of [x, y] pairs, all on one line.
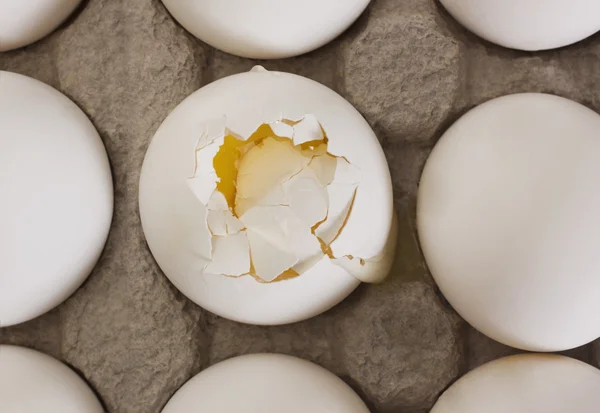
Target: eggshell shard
{"points": [[507, 218], [376, 269], [306, 197], [308, 129], [284, 231], [341, 197], [346, 173], [269, 260], [266, 29], [282, 129], [230, 255], [204, 181], [282, 223], [25, 22], [324, 168], [528, 25], [523, 384], [216, 222]]}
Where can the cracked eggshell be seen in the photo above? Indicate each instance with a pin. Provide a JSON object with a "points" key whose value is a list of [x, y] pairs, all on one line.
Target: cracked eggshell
{"points": [[266, 29], [376, 269], [23, 22], [174, 220]]}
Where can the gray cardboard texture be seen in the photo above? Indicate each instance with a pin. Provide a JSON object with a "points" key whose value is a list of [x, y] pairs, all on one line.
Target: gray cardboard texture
{"points": [[408, 67]]}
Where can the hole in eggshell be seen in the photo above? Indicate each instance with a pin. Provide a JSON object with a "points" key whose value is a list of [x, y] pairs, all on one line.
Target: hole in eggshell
{"points": [[275, 190]]}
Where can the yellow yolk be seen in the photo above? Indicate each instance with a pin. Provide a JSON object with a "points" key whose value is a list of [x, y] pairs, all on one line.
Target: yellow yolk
{"points": [[225, 166]]}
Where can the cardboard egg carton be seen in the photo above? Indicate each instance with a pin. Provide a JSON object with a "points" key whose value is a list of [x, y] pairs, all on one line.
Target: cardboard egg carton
{"points": [[409, 68]]}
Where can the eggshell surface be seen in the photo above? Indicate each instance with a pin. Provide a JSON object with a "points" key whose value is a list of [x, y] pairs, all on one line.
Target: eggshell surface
{"points": [[528, 24], [262, 383], [525, 384], [32, 382], [23, 22], [508, 220], [174, 220], [57, 198], [266, 29]]}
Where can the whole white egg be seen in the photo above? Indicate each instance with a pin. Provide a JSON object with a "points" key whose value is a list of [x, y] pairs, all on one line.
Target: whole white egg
{"points": [[23, 22], [260, 383], [32, 382], [266, 29], [528, 24], [57, 198], [525, 384], [508, 220]]}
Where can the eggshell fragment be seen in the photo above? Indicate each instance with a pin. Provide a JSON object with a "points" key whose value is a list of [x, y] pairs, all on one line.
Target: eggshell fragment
{"points": [[216, 222], [253, 104], [341, 198], [269, 260], [204, 181], [234, 225], [284, 230], [230, 255], [283, 129], [376, 269], [346, 173], [324, 168], [341, 194], [308, 130], [306, 197]]}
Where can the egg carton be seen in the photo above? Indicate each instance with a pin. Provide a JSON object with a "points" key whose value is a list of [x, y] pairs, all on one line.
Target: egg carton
{"points": [[409, 68]]}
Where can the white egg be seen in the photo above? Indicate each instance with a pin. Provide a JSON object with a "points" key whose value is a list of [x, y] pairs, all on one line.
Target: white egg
{"points": [[260, 383], [528, 24], [525, 384], [23, 22], [315, 223], [32, 382], [57, 198], [508, 220], [266, 29]]}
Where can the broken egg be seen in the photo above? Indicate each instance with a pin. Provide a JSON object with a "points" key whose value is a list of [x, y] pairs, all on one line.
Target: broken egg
{"points": [[266, 198], [266, 29], [25, 22]]}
